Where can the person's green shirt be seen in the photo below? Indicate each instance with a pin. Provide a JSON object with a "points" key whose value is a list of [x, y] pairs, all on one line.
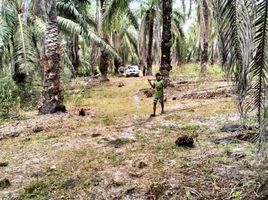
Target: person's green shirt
{"points": [[159, 86]]}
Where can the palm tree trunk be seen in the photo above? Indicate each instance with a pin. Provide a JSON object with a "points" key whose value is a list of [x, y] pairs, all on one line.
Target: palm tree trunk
{"points": [[104, 64], [117, 64], [166, 39], [157, 53], [74, 48], [205, 32], [51, 100], [117, 46], [104, 58], [149, 59], [212, 60]]}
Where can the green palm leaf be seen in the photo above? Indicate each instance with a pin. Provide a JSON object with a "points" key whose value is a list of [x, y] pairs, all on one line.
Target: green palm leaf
{"points": [[69, 10], [68, 25], [5, 33]]}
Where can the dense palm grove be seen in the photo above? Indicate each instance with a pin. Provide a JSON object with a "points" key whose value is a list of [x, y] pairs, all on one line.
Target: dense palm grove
{"points": [[41, 39]]}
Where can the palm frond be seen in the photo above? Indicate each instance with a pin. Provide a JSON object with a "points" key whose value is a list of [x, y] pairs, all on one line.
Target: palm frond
{"points": [[132, 41], [245, 56], [183, 7], [236, 49], [113, 8], [70, 10], [94, 38], [9, 13], [259, 69], [24, 51], [5, 33], [68, 25], [177, 30], [178, 47], [21, 31], [132, 18]]}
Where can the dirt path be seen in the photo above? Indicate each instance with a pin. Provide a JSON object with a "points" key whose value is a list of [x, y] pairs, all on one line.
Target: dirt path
{"points": [[117, 152]]}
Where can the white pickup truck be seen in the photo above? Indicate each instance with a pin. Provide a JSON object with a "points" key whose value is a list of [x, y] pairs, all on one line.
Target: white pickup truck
{"points": [[132, 71]]}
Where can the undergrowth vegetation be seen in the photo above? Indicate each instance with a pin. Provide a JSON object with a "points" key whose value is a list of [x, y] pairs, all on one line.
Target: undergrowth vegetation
{"points": [[9, 98]]}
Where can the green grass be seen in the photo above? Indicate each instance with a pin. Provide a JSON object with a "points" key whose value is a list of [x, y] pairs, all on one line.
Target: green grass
{"points": [[237, 194], [168, 149], [209, 175], [220, 160], [167, 131], [114, 158], [193, 71], [11, 117], [193, 130], [215, 71], [37, 190]]}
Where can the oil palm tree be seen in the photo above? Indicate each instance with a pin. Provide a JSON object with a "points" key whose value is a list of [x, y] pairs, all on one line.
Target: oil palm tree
{"points": [[76, 12], [147, 33], [150, 25], [51, 99], [166, 38], [123, 34], [104, 57], [157, 32], [109, 10], [205, 18], [74, 21]]}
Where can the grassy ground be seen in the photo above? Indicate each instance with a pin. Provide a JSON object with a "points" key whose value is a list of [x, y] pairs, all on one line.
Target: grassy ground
{"points": [[117, 152]]}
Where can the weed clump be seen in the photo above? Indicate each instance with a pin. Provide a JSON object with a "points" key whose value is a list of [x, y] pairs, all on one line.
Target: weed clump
{"points": [[9, 96]]}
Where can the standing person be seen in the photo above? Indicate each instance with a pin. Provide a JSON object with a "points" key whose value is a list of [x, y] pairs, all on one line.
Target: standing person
{"points": [[158, 85]]}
